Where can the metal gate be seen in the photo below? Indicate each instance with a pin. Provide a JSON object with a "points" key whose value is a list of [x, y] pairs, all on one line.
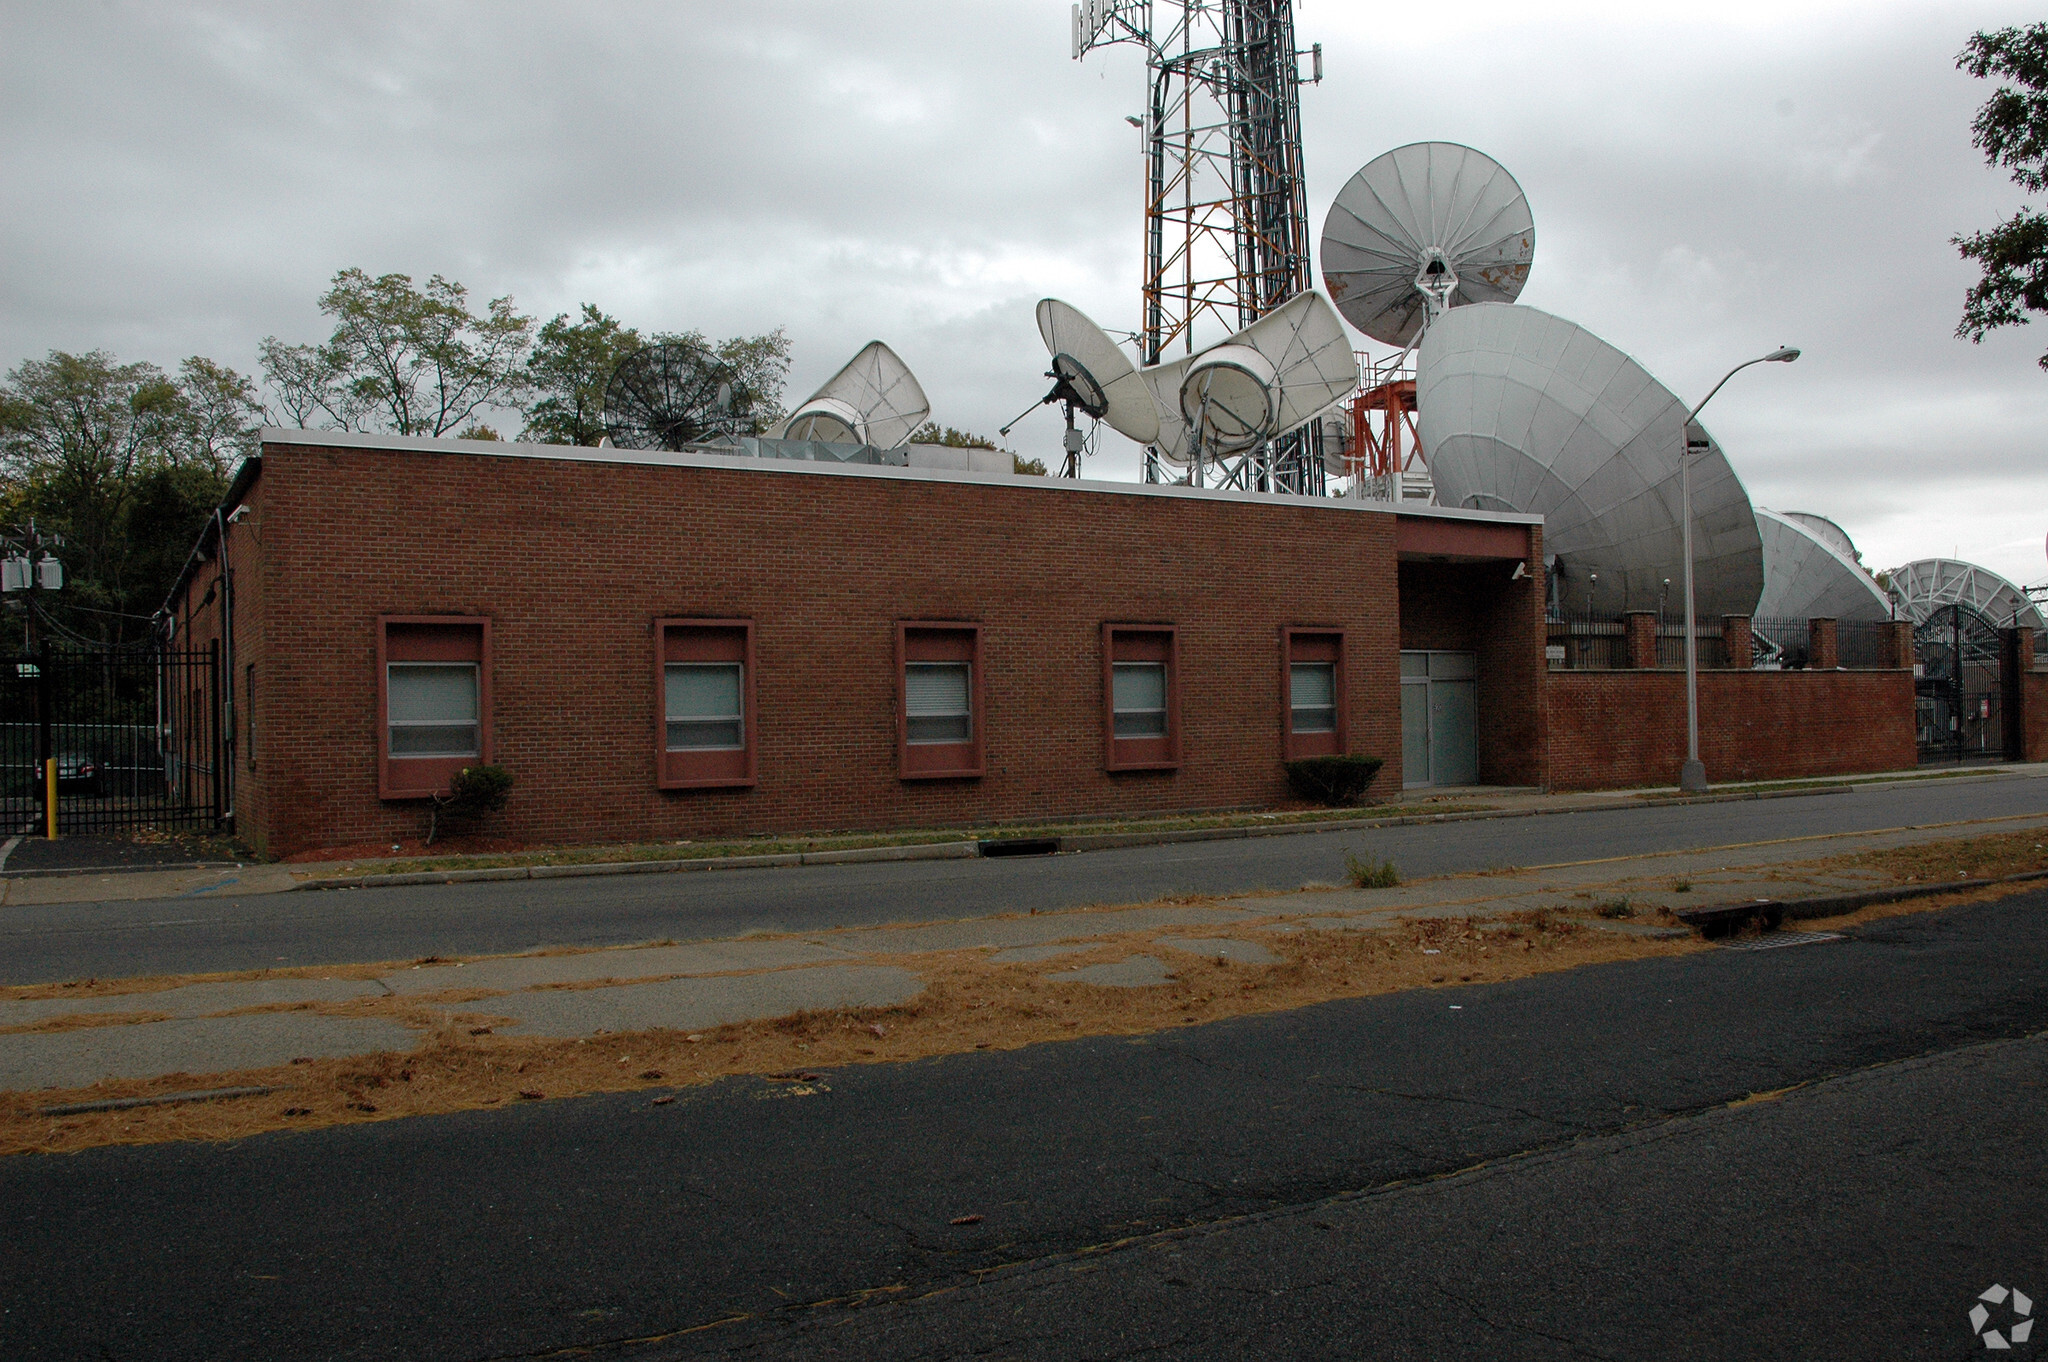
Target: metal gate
{"points": [[135, 736], [1959, 700]]}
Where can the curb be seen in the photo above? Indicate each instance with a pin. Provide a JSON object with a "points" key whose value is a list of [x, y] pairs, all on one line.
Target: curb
{"points": [[926, 851], [117, 869], [1108, 840], [1832, 904], [967, 850]]}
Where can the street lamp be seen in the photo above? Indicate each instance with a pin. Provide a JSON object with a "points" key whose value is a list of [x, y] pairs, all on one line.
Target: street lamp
{"points": [[1692, 777]]}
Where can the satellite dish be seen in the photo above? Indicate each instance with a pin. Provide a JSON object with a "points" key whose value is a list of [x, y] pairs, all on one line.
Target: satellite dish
{"points": [[1275, 376], [1827, 531], [1423, 228], [1089, 371], [875, 400], [1525, 411], [1923, 587], [670, 395], [1811, 574], [1342, 456]]}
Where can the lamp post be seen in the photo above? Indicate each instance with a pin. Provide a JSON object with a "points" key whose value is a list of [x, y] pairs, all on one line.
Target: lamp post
{"points": [[1692, 777]]}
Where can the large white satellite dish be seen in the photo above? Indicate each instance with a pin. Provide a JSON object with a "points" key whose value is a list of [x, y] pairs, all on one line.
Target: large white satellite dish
{"points": [[1519, 410], [1275, 376], [875, 400], [1807, 575], [1925, 586], [1428, 225], [1828, 532], [1092, 373]]}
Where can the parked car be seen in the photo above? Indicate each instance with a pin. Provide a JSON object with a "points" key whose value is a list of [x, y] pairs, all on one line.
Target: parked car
{"points": [[77, 773]]}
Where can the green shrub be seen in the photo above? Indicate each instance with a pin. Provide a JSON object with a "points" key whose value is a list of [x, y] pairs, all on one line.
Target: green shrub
{"points": [[1371, 874], [1332, 780], [472, 792]]}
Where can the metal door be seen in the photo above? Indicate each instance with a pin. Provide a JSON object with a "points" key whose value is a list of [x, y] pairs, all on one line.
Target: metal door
{"points": [[1439, 718]]}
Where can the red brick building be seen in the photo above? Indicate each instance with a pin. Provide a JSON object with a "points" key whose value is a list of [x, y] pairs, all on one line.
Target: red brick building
{"points": [[675, 645]]}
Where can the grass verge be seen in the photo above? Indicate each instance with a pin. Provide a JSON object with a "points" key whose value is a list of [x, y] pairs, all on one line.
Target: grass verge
{"points": [[779, 846], [969, 1003]]}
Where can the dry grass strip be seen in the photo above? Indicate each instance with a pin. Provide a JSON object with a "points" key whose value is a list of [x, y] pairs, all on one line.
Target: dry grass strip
{"points": [[968, 1004]]}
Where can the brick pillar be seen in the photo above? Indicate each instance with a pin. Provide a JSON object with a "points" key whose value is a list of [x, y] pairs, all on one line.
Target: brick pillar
{"points": [[1898, 645], [2015, 660], [1823, 653], [1741, 646], [1641, 637]]}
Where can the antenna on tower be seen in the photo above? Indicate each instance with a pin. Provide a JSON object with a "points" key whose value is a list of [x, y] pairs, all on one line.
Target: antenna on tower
{"points": [[1226, 210]]}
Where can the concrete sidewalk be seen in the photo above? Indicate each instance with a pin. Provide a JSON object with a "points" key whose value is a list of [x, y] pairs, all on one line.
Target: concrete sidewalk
{"points": [[222, 1026], [260, 878]]}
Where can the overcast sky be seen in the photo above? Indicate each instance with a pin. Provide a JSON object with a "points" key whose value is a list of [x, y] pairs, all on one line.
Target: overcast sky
{"points": [[1707, 184]]}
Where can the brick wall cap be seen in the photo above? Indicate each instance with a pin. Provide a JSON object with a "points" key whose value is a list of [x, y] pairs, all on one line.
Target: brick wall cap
{"points": [[502, 449]]}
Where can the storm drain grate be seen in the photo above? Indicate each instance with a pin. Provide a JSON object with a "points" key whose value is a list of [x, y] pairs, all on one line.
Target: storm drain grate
{"points": [[1770, 939]]}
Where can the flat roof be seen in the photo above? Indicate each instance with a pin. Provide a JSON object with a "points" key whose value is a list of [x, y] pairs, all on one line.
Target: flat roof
{"points": [[502, 449]]}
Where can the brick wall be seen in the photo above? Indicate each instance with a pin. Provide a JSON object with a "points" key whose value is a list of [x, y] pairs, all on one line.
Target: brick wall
{"points": [[572, 562], [1615, 730]]}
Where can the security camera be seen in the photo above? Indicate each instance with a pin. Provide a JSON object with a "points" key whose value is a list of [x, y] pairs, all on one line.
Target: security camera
{"points": [[238, 513]]}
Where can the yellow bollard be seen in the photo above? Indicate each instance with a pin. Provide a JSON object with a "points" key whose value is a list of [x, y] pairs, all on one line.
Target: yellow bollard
{"points": [[50, 794]]}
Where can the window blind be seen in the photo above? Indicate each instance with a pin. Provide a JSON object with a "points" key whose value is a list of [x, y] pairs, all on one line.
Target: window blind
{"points": [[703, 706], [1138, 696], [432, 709], [936, 701]]}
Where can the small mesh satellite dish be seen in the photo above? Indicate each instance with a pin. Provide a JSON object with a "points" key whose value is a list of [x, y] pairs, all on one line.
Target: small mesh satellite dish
{"points": [[668, 396], [875, 400], [1089, 371], [1424, 227], [1276, 375]]}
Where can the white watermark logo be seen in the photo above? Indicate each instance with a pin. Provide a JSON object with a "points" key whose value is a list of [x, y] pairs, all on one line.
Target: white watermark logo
{"points": [[2019, 1308]]}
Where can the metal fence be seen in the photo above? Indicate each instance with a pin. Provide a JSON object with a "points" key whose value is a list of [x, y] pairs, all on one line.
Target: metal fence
{"points": [[1586, 643], [1710, 650], [1779, 644], [1862, 646], [134, 736]]}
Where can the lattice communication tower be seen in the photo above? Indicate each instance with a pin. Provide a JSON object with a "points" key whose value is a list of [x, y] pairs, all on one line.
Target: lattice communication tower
{"points": [[1226, 209]]}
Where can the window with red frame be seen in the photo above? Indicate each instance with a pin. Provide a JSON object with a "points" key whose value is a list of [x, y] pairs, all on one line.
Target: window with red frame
{"points": [[1140, 697], [705, 680], [433, 701], [939, 719], [1312, 686]]}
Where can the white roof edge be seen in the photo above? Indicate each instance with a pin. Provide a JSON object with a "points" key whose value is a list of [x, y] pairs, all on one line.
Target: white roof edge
{"points": [[506, 449]]}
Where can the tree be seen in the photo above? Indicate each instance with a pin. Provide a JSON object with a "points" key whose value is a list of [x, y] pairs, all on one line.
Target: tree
{"points": [[405, 359], [760, 366], [126, 464], [219, 420], [571, 363], [2011, 129], [932, 433]]}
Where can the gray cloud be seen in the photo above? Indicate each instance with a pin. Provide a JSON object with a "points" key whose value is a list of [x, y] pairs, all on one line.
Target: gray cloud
{"points": [[185, 178]]}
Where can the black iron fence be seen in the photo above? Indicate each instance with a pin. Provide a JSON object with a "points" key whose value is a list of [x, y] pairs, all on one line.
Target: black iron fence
{"points": [[1595, 642], [1779, 644], [1586, 643], [1710, 650], [134, 737]]}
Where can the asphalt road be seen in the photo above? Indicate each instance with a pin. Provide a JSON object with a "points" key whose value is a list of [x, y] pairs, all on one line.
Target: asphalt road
{"points": [[107, 940], [1602, 1205]]}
